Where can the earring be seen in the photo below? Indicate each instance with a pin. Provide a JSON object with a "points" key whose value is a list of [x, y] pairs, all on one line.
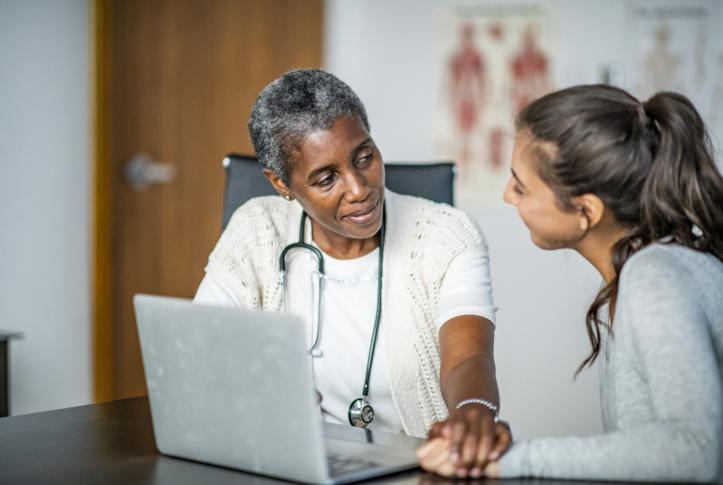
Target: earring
{"points": [[287, 197]]}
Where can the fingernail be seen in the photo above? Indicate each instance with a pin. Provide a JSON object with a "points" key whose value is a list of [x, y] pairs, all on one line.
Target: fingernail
{"points": [[462, 473], [454, 456], [494, 455], [476, 472]]}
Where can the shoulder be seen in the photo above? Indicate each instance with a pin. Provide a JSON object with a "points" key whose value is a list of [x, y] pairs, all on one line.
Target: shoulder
{"points": [[259, 211], [668, 264], [433, 220], [259, 224], [260, 220], [666, 282]]}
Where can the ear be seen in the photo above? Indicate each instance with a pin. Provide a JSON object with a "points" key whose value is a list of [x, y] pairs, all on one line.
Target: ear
{"points": [[278, 184], [591, 209]]}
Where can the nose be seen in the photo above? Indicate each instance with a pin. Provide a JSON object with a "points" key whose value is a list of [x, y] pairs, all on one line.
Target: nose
{"points": [[508, 195], [357, 187]]}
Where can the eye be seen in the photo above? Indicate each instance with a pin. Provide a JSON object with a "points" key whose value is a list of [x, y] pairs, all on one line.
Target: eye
{"points": [[365, 157], [326, 180], [517, 189]]}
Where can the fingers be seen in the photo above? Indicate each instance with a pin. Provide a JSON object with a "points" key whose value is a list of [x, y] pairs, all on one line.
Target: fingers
{"points": [[503, 441], [457, 438], [492, 470], [434, 457], [436, 430], [471, 443], [484, 446], [428, 447], [465, 447], [465, 442], [446, 468]]}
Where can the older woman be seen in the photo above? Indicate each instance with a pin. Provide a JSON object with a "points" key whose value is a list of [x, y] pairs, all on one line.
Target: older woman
{"points": [[402, 275]]}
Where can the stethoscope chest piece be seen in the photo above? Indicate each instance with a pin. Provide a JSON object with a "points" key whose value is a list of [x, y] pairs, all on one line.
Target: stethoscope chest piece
{"points": [[360, 413]]}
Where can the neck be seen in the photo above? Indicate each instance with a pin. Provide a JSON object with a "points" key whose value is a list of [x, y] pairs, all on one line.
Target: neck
{"points": [[597, 248], [341, 247]]}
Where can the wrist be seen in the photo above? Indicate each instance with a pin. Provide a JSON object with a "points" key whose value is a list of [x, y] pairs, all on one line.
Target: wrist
{"points": [[484, 404]]}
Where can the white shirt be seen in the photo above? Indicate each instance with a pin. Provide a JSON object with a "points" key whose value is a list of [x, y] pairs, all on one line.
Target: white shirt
{"points": [[348, 306]]}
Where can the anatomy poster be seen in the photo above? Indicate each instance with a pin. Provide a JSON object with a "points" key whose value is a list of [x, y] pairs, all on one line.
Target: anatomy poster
{"points": [[678, 48], [494, 61]]}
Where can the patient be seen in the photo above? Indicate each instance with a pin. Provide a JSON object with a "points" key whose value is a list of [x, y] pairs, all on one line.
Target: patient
{"points": [[631, 186], [415, 270]]}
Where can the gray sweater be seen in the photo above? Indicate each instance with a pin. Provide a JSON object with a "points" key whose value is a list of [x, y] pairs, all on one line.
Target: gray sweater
{"points": [[661, 380]]}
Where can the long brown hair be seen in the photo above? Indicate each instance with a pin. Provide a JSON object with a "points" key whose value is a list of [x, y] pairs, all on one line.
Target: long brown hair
{"points": [[651, 163]]}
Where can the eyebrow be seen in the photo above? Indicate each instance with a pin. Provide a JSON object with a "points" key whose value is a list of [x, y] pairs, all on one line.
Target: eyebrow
{"points": [[315, 173], [517, 178]]}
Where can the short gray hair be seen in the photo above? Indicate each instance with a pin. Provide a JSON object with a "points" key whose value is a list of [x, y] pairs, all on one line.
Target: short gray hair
{"points": [[292, 107]]}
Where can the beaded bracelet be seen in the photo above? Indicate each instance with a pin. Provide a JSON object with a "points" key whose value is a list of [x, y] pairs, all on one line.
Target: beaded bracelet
{"points": [[489, 405]]}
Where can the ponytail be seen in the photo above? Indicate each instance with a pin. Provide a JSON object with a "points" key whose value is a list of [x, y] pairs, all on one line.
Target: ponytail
{"points": [[650, 163], [683, 195]]}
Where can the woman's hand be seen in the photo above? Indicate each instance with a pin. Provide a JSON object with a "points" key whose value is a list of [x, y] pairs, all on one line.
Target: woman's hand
{"points": [[467, 442], [471, 433]]}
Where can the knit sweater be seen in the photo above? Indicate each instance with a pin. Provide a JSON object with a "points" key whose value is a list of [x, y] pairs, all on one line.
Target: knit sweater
{"points": [[661, 380], [422, 238]]}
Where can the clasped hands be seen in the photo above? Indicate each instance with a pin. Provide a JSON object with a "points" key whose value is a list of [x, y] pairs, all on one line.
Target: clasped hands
{"points": [[467, 444]]}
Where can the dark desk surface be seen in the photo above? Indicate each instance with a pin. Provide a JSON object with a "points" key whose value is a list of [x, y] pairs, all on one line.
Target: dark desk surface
{"points": [[112, 443]]}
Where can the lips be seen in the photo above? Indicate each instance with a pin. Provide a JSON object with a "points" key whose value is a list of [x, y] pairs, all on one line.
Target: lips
{"points": [[364, 215]]}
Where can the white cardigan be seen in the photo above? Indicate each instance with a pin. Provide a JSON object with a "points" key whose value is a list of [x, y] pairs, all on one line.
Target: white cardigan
{"points": [[422, 238]]}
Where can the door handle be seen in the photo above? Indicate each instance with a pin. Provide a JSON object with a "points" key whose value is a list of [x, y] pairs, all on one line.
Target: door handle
{"points": [[141, 172]]}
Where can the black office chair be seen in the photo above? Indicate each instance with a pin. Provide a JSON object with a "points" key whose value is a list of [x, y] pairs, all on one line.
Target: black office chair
{"points": [[244, 180]]}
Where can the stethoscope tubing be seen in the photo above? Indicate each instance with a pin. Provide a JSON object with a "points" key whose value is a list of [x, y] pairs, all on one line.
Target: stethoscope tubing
{"points": [[378, 314], [314, 349]]}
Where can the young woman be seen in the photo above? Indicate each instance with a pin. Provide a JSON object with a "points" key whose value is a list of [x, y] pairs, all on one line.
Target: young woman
{"points": [[633, 187]]}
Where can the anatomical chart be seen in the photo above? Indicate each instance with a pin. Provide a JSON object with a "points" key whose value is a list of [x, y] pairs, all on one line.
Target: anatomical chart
{"points": [[494, 61], [679, 47]]}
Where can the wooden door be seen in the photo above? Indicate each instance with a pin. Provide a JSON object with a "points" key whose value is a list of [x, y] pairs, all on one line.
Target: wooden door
{"points": [[182, 77]]}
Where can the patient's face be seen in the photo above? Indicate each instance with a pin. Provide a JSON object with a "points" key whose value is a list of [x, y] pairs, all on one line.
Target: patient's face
{"points": [[337, 176], [550, 226]]}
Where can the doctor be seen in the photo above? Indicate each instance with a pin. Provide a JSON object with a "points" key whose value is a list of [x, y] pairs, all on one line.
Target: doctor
{"points": [[395, 290]]}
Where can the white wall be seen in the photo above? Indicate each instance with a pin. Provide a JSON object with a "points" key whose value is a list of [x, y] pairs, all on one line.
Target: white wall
{"points": [[44, 200], [386, 51]]}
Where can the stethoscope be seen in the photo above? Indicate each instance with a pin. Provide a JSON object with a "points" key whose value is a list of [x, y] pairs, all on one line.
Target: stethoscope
{"points": [[360, 411]]}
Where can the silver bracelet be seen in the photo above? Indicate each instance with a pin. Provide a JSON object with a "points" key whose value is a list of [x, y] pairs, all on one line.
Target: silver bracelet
{"points": [[489, 405]]}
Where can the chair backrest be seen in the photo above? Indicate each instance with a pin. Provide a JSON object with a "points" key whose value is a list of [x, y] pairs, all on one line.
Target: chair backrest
{"points": [[244, 180]]}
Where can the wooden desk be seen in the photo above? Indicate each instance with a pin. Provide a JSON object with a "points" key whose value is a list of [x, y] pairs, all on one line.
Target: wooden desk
{"points": [[112, 443]]}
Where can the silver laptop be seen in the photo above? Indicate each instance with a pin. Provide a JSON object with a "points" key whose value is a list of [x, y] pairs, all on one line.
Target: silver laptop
{"points": [[233, 387]]}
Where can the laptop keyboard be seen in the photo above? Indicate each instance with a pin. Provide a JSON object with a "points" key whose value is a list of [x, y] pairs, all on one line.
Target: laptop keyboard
{"points": [[340, 465]]}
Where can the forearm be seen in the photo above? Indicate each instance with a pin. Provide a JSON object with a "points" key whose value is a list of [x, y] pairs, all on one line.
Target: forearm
{"points": [[652, 452], [467, 372], [474, 377], [468, 366]]}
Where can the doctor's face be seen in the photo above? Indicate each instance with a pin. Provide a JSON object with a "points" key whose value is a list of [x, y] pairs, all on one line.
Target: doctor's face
{"points": [[337, 175]]}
